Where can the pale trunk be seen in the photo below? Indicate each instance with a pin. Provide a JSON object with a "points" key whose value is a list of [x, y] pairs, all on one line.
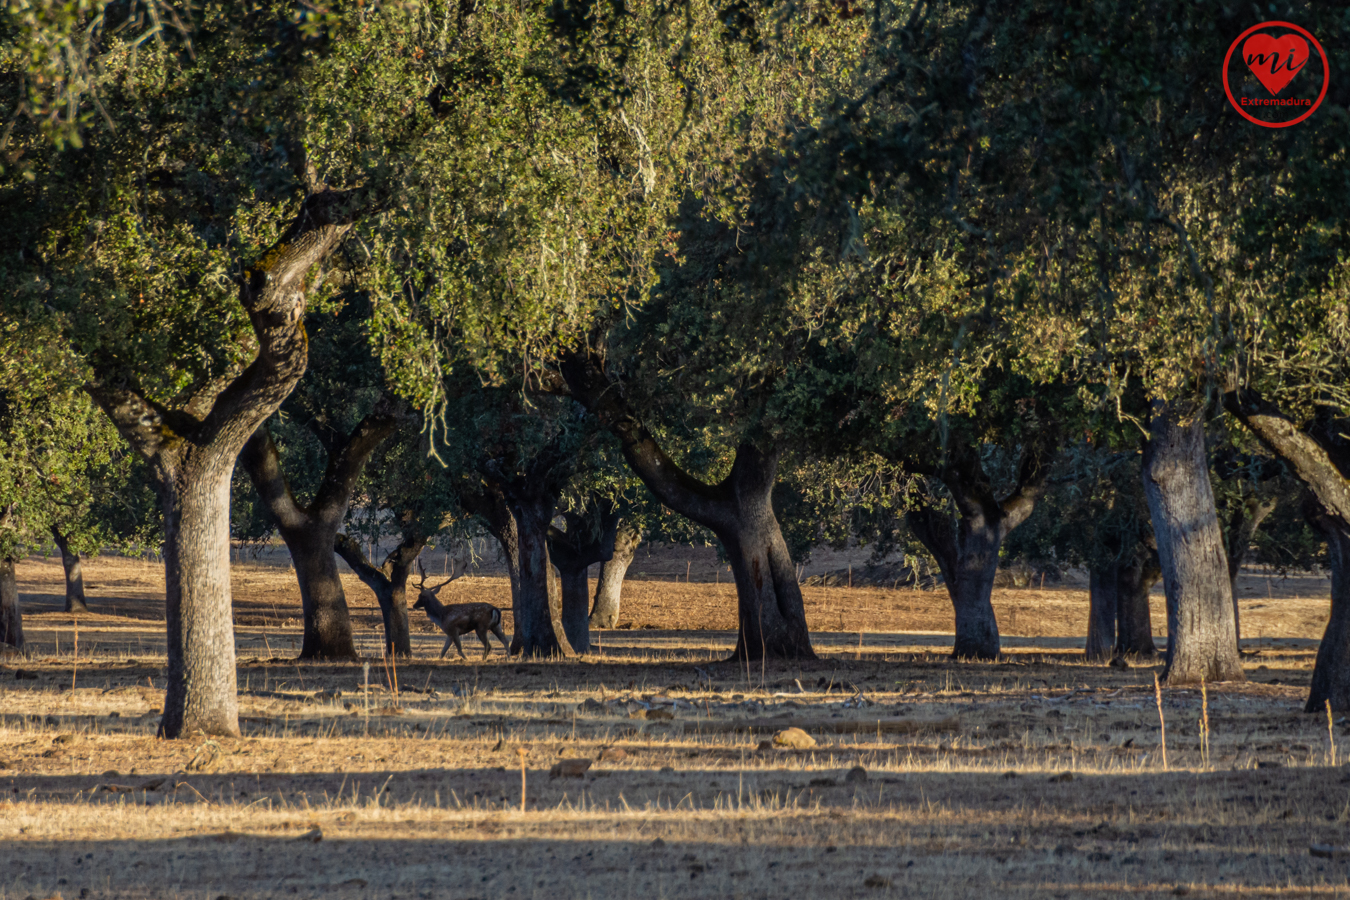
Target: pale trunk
{"points": [[609, 583], [75, 601], [11, 613]]}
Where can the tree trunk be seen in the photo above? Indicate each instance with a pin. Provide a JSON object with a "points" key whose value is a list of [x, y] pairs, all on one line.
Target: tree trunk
{"points": [[75, 602], [389, 583], [1134, 623], [589, 539], [202, 689], [536, 594], [327, 621], [1242, 527], [192, 451], [576, 600], [609, 583], [1331, 672], [739, 510], [11, 613], [1103, 611], [1200, 629]]}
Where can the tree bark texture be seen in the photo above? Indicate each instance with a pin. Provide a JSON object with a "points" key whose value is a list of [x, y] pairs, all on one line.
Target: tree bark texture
{"points": [[967, 550], [389, 583], [537, 593], [739, 510], [587, 540], [70, 562], [11, 613], [310, 532], [1319, 454], [1103, 612], [1200, 628], [192, 450], [609, 583], [1134, 619]]}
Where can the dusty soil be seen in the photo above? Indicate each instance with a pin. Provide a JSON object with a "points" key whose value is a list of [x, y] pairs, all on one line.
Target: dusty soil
{"points": [[1037, 775]]}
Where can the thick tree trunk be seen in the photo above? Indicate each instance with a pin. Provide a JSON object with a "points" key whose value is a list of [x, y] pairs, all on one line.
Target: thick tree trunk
{"points": [[1200, 629], [327, 621], [1331, 672], [589, 539], [575, 589], [75, 602], [1103, 611], [609, 583], [202, 689], [1242, 527], [739, 510], [967, 556], [11, 613], [1134, 623], [389, 583], [536, 594]]}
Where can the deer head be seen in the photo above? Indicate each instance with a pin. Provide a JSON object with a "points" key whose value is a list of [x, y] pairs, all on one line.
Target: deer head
{"points": [[424, 593]]}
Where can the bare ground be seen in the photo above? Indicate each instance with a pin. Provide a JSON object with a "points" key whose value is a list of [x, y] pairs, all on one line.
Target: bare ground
{"points": [[1037, 775]]}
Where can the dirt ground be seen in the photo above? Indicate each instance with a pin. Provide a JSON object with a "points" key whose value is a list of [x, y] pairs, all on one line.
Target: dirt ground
{"points": [[1037, 775]]}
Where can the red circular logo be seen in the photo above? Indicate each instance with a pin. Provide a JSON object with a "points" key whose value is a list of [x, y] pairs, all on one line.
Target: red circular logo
{"points": [[1272, 57]]}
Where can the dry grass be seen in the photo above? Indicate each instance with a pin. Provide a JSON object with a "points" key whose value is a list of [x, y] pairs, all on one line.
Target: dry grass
{"points": [[1049, 783]]}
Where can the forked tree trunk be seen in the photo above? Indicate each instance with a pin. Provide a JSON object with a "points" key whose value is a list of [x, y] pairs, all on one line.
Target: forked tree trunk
{"points": [[739, 510], [967, 550], [609, 583], [1200, 628], [389, 583], [75, 602], [202, 689], [310, 532], [1103, 611], [587, 540], [192, 451], [1134, 621], [11, 614]]}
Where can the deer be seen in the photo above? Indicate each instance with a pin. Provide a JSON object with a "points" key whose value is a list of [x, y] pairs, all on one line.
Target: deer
{"points": [[459, 618]]}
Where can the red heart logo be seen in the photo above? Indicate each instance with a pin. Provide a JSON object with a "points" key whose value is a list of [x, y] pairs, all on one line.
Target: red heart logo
{"points": [[1275, 61]]}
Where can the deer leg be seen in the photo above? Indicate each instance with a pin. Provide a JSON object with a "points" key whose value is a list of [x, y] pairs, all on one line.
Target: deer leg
{"points": [[487, 647], [450, 636], [497, 630]]}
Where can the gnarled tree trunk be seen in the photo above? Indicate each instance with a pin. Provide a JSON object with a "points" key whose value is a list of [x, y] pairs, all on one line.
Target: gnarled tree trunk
{"points": [[389, 583], [587, 540], [1319, 454], [609, 583], [70, 562], [1200, 629], [739, 510], [537, 593], [310, 532], [11, 614], [192, 451], [967, 550]]}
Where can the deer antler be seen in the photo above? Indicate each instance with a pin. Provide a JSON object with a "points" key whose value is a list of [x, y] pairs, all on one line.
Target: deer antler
{"points": [[422, 584]]}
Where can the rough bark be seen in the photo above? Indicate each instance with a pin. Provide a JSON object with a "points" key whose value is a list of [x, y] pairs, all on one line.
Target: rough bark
{"points": [[573, 552], [389, 583], [967, 550], [310, 532], [537, 592], [75, 601], [11, 613], [739, 510], [1200, 629], [192, 450], [1103, 612], [1319, 454], [609, 583], [1134, 621], [1242, 526]]}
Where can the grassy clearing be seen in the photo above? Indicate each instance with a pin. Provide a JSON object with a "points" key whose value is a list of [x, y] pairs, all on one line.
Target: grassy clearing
{"points": [[1034, 776]]}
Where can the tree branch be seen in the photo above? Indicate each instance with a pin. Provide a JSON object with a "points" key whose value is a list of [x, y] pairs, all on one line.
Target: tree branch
{"points": [[263, 464]]}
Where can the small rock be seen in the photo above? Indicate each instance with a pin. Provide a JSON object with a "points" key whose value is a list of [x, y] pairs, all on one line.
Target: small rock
{"points": [[856, 775], [112, 773], [794, 738], [613, 754], [668, 770], [1118, 662], [1181, 890], [1061, 778], [765, 745], [658, 844], [591, 705], [570, 768], [876, 881]]}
